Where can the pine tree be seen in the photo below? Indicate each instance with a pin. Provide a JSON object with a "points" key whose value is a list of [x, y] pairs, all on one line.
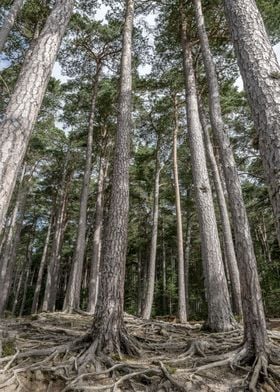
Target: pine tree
{"points": [[25, 102]]}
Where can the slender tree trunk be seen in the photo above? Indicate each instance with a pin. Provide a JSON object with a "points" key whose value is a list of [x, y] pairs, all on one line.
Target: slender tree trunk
{"points": [[37, 291], [164, 278], [139, 283], [9, 22], [180, 247], [187, 262], [8, 257], [219, 310], [25, 102], [253, 313], [260, 72], [108, 331], [149, 297], [172, 281], [97, 236], [72, 298], [27, 273], [264, 241], [230, 257], [16, 300], [53, 267]]}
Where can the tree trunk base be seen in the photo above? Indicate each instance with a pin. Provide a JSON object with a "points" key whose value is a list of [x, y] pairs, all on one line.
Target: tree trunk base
{"points": [[259, 368], [105, 346]]}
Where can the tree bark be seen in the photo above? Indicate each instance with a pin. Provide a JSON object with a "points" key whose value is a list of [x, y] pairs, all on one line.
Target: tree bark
{"points": [[260, 72], [139, 282], [37, 291], [164, 276], [230, 257], [97, 236], [17, 293], [27, 273], [108, 331], [253, 313], [72, 298], [219, 311], [182, 311], [9, 22], [8, 257], [25, 102], [148, 303], [53, 267], [187, 261]]}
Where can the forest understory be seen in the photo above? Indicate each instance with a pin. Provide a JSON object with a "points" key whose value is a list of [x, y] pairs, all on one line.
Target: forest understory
{"points": [[37, 356]]}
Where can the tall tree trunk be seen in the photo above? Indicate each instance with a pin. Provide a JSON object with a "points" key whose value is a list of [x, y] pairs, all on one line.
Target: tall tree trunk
{"points": [[219, 310], [230, 257], [260, 72], [9, 22], [180, 247], [26, 280], [164, 277], [72, 298], [108, 331], [8, 256], [25, 102], [37, 291], [139, 282], [53, 267], [149, 295], [253, 313], [187, 261], [16, 299], [97, 236]]}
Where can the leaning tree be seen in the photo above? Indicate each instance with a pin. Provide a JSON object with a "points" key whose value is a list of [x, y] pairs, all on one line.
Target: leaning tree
{"points": [[260, 71], [25, 102]]}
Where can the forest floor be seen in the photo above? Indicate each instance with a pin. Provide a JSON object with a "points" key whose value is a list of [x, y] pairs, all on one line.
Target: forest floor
{"points": [[174, 357]]}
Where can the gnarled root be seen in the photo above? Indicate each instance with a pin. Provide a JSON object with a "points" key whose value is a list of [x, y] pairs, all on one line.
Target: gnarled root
{"points": [[116, 345], [259, 369], [197, 347]]}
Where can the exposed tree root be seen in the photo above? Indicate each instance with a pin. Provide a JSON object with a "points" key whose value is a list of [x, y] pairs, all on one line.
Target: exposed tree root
{"points": [[209, 362], [178, 386], [260, 367]]}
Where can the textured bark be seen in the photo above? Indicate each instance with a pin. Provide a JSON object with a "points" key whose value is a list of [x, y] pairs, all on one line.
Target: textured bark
{"points": [[97, 236], [260, 72], [219, 311], [53, 267], [38, 286], [230, 257], [25, 102], [149, 294], [8, 256], [72, 298], [253, 313], [108, 331], [9, 22], [182, 311]]}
